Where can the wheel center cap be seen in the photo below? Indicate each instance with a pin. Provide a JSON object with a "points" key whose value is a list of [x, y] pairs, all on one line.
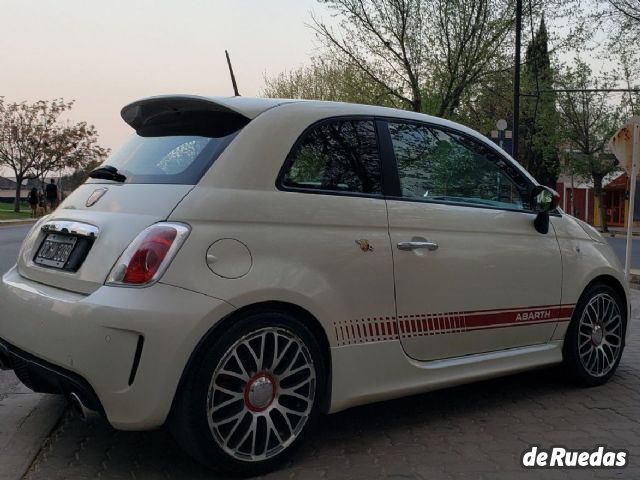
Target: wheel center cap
{"points": [[597, 335], [259, 392]]}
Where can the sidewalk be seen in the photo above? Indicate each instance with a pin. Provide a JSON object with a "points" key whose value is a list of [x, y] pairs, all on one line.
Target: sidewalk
{"points": [[620, 232], [26, 421], [634, 278]]}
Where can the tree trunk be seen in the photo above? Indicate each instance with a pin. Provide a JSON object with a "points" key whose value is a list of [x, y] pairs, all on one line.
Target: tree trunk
{"points": [[573, 191], [17, 201], [416, 104], [599, 191]]}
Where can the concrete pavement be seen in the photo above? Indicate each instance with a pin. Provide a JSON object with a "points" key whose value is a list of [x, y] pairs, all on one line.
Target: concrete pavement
{"points": [[26, 418], [478, 431], [26, 421]]}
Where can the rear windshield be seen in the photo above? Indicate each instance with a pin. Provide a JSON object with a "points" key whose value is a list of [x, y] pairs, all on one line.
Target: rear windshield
{"points": [[177, 159]]}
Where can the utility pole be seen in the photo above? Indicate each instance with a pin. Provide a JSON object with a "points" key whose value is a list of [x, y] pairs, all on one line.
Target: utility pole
{"points": [[516, 81]]}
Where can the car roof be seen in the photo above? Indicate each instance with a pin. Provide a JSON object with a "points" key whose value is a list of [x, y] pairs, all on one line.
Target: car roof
{"points": [[139, 111], [250, 108]]}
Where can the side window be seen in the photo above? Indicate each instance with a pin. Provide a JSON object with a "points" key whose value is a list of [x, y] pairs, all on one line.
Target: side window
{"points": [[339, 155], [435, 164]]}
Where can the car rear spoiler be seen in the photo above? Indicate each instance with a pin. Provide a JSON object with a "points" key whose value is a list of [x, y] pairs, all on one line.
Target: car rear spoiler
{"points": [[182, 115], [173, 108]]}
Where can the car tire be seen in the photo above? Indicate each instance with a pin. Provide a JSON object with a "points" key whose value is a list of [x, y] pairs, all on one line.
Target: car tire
{"points": [[252, 395], [596, 335]]}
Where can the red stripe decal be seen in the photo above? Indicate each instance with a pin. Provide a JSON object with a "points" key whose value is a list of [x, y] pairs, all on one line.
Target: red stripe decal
{"points": [[411, 325]]}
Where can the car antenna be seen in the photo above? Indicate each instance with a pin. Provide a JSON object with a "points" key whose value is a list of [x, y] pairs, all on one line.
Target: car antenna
{"points": [[233, 77]]}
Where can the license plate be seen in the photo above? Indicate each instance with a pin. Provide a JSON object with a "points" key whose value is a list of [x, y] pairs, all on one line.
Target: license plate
{"points": [[55, 250]]}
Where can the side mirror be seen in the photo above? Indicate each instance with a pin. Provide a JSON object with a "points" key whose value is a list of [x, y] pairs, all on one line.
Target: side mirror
{"points": [[543, 200]]}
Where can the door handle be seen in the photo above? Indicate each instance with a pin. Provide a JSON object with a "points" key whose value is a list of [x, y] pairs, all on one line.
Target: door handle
{"points": [[431, 246]]}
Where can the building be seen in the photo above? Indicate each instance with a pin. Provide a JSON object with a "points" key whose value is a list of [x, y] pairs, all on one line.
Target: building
{"points": [[577, 198], [8, 188]]}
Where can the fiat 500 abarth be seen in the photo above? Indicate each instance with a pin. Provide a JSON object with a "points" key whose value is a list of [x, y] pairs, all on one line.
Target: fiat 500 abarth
{"points": [[242, 266]]}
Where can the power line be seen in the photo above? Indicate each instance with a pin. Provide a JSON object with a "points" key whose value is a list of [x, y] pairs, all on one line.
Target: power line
{"points": [[581, 90]]}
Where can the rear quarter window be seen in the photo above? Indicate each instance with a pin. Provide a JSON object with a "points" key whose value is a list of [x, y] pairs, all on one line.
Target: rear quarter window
{"points": [[339, 155]]}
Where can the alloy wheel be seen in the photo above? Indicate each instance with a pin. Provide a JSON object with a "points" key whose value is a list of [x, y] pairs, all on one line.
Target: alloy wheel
{"points": [[600, 335], [261, 394]]}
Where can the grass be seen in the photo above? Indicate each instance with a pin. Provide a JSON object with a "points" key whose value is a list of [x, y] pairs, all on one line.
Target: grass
{"points": [[7, 213]]}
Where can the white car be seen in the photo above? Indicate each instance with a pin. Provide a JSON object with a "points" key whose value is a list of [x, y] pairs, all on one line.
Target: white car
{"points": [[242, 266]]}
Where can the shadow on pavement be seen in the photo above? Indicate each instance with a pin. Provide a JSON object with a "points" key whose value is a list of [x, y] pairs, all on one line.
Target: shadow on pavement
{"points": [[481, 428]]}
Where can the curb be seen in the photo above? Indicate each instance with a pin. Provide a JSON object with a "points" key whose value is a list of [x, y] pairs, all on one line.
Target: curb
{"points": [[14, 223], [618, 234]]}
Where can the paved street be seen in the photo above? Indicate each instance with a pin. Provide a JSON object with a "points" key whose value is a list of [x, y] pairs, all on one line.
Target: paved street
{"points": [[619, 245], [10, 239], [476, 431]]}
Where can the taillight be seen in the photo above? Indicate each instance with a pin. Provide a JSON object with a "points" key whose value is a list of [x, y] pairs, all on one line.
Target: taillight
{"points": [[149, 255]]}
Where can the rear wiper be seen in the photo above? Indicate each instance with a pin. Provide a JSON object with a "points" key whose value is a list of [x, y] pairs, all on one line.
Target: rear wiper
{"points": [[108, 173]]}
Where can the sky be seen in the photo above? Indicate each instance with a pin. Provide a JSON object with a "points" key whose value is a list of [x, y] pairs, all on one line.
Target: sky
{"points": [[105, 54]]}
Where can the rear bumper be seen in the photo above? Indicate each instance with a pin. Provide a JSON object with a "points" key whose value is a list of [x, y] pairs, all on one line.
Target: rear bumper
{"points": [[42, 376], [122, 350]]}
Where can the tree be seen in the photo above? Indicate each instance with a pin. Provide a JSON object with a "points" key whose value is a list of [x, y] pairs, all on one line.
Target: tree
{"points": [[539, 116], [629, 9], [424, 53], [71, 146], [469, 42], [589, 120], [328, 79], [34, 141], [626, 14], [80, 174], [489, 101], [629, 66]]}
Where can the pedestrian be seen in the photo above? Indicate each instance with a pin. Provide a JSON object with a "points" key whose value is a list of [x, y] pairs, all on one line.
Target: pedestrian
{"points": [[41, 201], [33, 201], [52, 195]]}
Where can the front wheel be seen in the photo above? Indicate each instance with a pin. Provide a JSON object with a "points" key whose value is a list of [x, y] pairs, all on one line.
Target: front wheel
{"points": [[595, 338], [253, 396]]}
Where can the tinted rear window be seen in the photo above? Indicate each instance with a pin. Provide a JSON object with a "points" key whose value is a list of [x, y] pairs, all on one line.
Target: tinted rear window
{"points": [[173, 146], [180, 159]]}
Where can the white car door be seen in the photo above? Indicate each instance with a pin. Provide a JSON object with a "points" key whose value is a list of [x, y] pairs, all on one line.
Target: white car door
{"points": [[472, 274]]}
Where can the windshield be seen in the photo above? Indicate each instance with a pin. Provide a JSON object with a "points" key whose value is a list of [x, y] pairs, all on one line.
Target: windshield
{"points": [[179, 159]]}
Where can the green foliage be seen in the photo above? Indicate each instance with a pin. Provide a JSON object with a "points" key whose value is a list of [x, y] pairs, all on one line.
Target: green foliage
{"points": [[539, 116], [433, 163], [325, 78], [7, 211], [424, 55], [589, 119], [34, 141], [491, 100], [80, 175]]}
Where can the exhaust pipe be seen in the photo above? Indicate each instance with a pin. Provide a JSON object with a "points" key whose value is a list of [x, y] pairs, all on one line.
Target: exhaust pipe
{"points": [[78, 407]]}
